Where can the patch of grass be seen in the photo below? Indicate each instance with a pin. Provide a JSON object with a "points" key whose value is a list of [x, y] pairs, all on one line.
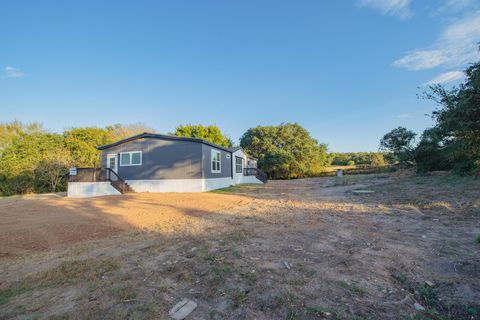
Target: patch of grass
{"points": [[124, 291], [68, 272], [162, 289], [400, 277], [239, 297], [428, 296], [352, 287], [240, 188], [478, 239]]}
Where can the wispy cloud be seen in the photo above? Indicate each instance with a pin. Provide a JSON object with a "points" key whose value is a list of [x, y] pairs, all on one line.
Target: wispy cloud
{"points": [[12, 72], [404, 116], [456, 46], [399, 8], [453, 6], [446, 77]]}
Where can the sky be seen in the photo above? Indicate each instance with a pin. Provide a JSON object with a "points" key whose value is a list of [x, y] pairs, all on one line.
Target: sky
{"points": [[348, 71]]}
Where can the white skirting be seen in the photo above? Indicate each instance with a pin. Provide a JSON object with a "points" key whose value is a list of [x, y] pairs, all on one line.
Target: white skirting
{"points": [[179, 185], [95, 189], [90, 189]]}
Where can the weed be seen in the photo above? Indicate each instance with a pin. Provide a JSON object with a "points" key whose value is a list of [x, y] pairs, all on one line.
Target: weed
{"points": [[124, 291], [162, 289], [239, 297], [478, 239], [428, 295], [67, 272], [352, 287]]}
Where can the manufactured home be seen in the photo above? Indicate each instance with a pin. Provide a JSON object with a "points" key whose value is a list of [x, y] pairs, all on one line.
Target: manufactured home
{"points": [[162, 163]]}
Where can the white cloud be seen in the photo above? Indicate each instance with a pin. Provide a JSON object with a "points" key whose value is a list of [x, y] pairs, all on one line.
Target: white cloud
{"points": [[13, 72], [455, 5], [456, 46], [446, 77], [404, 116], [399, 8]]}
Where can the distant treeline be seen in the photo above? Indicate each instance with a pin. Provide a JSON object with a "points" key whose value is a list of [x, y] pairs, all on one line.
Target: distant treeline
{"points": [[362, 158]]}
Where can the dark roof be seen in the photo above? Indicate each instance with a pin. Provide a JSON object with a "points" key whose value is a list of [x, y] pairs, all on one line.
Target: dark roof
{"points": [[164, 137]]}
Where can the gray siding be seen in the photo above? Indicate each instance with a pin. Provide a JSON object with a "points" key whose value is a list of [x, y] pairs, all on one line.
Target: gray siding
{"points": [[226, 164], [161, 159]]}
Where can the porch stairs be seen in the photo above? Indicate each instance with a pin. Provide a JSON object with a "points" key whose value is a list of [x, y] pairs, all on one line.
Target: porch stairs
{"points": [[122, 186]]}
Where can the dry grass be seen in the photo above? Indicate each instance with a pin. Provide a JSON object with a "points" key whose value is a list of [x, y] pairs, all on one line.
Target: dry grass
{"points": [[350, 256]]}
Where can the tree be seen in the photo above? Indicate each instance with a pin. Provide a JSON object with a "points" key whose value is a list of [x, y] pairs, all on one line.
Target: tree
{"points": [[121, 131], [10, 130], [22, 157], [82, 144], [400, 142], [210, 133], [285, 151], [455, 138], [51, 171], [377, 160]]}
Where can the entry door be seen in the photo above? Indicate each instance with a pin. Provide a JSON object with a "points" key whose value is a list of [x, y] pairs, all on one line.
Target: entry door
{"points": [[112, 162]]}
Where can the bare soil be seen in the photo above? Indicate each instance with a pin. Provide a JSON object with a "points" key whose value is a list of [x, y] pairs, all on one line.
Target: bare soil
{"points": [[367, 256]]}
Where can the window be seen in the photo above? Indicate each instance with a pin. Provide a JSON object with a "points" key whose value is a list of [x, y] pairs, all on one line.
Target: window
{"points": [[238, 165], [133, 158], [216, 156]]}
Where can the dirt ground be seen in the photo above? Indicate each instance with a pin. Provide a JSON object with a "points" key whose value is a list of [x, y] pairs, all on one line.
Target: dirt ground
{"points": [[299, 249]]}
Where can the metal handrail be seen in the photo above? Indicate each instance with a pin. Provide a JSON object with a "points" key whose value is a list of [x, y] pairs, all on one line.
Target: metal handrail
{"points": [[259, 174]]}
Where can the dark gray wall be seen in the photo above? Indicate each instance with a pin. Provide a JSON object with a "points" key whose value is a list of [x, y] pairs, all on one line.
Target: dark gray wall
{"points": [[161, 159], [226, 164]]}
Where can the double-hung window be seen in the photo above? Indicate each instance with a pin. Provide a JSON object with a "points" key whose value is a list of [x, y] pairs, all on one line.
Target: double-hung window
{"points": [[133, 158], [216, 161], [238, 165]]}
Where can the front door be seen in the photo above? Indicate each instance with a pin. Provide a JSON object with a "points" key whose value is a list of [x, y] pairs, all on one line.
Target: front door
{"points": [[112, 162]]}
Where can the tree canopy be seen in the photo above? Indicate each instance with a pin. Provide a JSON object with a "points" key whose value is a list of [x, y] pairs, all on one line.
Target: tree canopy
{"points": [[399, 141], [210, 133], [454, 141], [34, 160], [285, 151]]}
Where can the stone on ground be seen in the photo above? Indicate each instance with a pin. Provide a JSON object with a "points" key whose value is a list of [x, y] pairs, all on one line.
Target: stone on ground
{"points": [[182, 309]]}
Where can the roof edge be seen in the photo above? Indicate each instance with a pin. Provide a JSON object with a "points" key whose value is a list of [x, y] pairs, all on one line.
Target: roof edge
{"points": [[161, 136]]}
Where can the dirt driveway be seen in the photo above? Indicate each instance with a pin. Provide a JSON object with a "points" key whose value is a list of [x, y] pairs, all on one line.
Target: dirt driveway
{"points": [[300, 249]]}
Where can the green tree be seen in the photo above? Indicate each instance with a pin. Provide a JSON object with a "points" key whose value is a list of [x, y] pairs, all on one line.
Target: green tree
{"points": [[455, 138], [82, 144], [22, 159], [121, 131], [400, 141], [210, 133], [285, 151], [9, 130], [377, 160]]}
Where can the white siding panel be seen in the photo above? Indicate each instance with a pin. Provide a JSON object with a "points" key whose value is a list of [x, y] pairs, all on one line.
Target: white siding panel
{"points": [[167, 185], [218, 183], [90, 189]]}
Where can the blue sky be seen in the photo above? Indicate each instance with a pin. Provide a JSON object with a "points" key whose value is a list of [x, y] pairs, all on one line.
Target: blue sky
{"points": [[348, 71]]}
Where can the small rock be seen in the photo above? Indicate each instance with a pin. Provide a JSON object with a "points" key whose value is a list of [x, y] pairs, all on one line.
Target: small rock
{"points": [[193, 249], [429, 283], [424, 237], [182, 309], [327, 314], [418, 306], [286, 265]]}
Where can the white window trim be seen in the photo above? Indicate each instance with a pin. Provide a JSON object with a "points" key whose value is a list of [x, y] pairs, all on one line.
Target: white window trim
{"points": [[110, 156], [215, 152], [241, 164], [130, 153]]}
